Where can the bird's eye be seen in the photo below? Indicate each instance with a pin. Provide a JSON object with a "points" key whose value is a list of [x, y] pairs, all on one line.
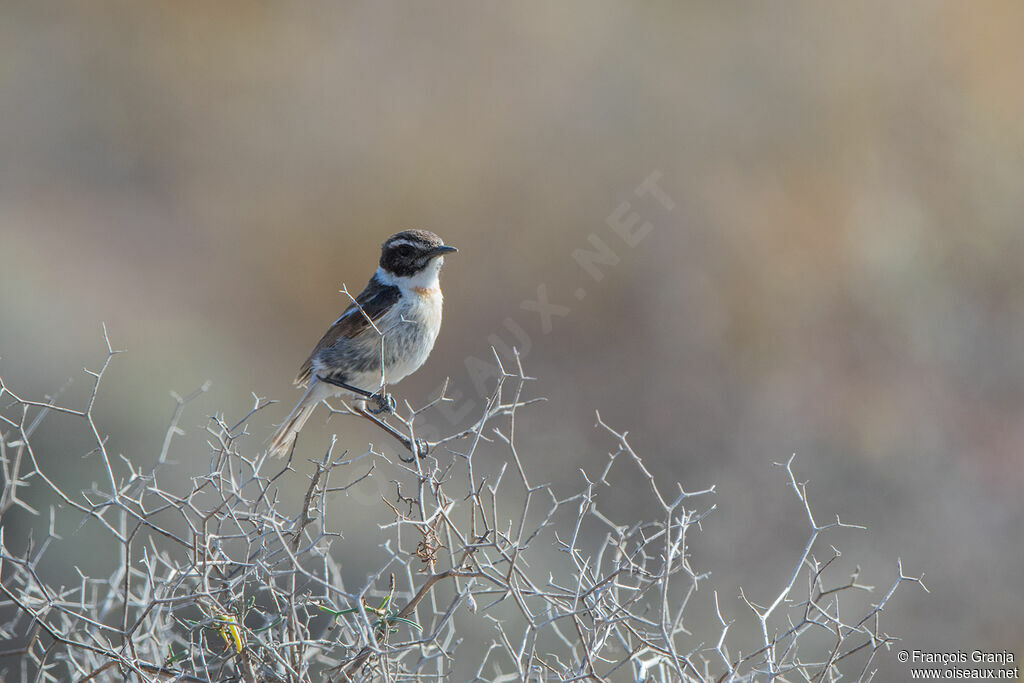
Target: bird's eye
{"points": [[404, 250]]}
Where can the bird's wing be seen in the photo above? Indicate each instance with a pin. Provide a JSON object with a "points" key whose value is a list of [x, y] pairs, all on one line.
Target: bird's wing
{"points": [[372, 303]]}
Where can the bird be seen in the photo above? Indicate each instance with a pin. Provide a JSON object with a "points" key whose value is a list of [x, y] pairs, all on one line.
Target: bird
{"points": [[384, 335]]}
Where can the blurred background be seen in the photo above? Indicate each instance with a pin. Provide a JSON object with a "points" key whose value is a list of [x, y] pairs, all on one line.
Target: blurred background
{"points": [[832, 267]]}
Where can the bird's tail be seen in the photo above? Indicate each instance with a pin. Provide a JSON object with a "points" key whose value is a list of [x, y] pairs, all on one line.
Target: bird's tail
{"points": [[282, 440]]}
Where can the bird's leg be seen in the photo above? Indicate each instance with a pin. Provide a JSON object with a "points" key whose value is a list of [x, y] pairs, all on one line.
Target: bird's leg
{"points": [[419, 447], [385, 402]]}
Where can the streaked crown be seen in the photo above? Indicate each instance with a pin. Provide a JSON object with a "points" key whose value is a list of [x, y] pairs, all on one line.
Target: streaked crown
{"points": [[410, 251]]}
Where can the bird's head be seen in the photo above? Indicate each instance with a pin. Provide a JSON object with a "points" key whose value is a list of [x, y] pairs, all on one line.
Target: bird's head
{"points": [[411, 253]]}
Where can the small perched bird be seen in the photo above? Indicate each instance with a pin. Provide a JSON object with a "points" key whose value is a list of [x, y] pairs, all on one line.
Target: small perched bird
{"points": [[385, 335]]}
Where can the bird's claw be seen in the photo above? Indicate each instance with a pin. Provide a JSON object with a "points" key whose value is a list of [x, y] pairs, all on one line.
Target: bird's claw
{"points": [[386, 403], [419, 448]]}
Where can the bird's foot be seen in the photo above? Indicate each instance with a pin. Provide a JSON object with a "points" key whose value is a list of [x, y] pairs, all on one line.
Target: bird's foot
{"points": [[386, 403], [419, 449]]}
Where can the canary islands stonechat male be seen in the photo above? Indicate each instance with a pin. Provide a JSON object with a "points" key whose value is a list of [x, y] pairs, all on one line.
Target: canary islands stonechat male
{"points": [[384, 335]]}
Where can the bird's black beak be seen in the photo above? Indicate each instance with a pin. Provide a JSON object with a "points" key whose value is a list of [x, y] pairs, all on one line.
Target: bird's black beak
{"points": [[442, 250]]}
